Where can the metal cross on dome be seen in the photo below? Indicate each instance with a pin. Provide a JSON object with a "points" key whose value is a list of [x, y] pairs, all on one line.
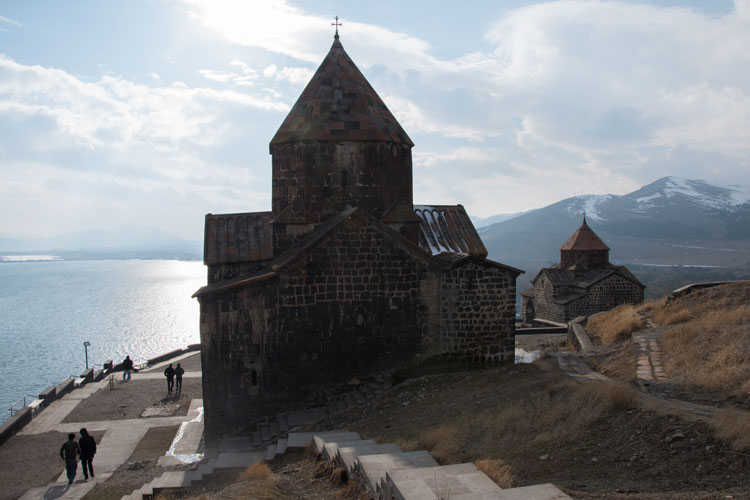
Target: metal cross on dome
{"points": [[337, 24]]}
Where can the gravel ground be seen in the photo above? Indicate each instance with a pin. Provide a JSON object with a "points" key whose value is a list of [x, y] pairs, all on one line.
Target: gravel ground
{"points": [[32, 461], [140, 468], [129, 400], [189, 364]]}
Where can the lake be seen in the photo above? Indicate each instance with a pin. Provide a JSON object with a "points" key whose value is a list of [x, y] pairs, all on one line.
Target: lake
{"points": [[48, 309]]}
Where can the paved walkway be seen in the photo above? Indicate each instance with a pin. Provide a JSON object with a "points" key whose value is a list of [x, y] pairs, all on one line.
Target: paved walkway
{"points": [[120, 436], [650, 367]]}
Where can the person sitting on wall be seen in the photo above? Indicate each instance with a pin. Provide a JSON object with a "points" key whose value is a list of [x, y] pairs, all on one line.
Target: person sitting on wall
{"points": [[127, 367]]}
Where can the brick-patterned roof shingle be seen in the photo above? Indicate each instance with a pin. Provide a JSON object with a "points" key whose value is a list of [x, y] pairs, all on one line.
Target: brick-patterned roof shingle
{"points": [[584, 239], [339, 104]]}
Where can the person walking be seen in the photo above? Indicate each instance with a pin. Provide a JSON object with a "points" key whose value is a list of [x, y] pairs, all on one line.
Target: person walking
{"points": [[88, 450], [69, 452], [169, 373], [178, 373], [127, 367]]}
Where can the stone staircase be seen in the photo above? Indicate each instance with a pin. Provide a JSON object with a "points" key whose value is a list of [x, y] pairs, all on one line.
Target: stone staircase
{"points": [[390, 473], [266, 433], [386, 471]]}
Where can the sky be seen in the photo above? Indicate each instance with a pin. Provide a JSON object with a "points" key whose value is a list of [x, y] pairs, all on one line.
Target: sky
{"points": [[156, 112]]}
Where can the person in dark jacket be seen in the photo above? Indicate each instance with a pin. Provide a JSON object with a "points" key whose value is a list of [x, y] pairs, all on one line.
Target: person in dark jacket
{"points": [[169, 373], [178, 373], [69, 452], [88, 450], [127, 367]]}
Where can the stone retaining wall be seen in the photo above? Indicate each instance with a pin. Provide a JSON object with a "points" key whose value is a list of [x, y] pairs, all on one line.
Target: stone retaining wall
{"points": [[15, 424]]}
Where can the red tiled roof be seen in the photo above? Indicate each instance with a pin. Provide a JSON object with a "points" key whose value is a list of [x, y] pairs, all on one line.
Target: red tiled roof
{"points": [[339, 104], [584, 239]]}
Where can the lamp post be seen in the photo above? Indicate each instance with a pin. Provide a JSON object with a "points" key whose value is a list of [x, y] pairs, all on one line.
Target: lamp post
{"points": [[86, 345]]}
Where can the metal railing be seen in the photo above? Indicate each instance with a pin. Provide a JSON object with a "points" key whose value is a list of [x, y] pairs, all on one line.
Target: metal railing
{"points": [[12, 408]]}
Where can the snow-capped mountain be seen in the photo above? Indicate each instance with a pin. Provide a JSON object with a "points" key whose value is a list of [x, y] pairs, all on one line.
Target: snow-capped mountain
{"points": [[670, 221]]}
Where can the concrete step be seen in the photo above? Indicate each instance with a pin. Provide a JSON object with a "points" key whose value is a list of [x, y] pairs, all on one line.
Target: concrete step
{"points": [[348, 455], [545, 491], [305, 417], [239, 459], [143, 492], [265, 431], [281, 446], [305, 439], [331, 448], [207, 468], [275, 430], [236, 443], [457, 482], [321, 438], [270, 452], [283, 423], [171, 480], [256, 439], [372, 468]]}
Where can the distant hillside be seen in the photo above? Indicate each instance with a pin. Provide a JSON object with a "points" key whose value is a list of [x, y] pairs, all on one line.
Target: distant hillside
{"points": [[670, 222], [480, 222], [132, 241]]}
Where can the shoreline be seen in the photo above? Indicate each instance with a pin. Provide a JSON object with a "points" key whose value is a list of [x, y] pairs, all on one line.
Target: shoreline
{"points": [[24, 415]]}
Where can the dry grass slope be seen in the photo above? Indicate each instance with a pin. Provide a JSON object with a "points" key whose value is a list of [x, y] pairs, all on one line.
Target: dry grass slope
{"points": [[617, 324], [256, 481], [558, 411], [707, 344], [733, 426]]}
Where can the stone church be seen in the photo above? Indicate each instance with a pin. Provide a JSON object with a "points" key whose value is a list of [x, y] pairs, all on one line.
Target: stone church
{"points": [[344, 276], [582, 284]]}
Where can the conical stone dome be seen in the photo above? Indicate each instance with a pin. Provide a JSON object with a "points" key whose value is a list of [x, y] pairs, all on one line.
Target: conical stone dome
{"points": [[339, 104], [339, 147], [584, 250]]}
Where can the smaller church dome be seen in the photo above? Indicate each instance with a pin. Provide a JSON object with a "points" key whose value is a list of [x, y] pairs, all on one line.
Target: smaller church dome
{"points": [[584, 239], [339, 104]]}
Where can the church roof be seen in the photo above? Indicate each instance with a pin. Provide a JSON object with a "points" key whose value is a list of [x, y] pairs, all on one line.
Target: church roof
{"points": [[575, 286], [447, 228], [584, 239], [231, 238], [339, 104]]}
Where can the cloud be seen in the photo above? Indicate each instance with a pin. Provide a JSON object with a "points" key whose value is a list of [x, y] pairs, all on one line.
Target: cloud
{"points": [[114, 111], [8, 20]]}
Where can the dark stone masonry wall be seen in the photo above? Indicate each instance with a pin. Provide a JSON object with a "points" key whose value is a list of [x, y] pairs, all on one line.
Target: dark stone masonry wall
{"points": [[318, 180], [229, 271], [602, 296], [357, 304], [235, 328], [544, 303], [605, 295], [477, 309], [354, 308]]}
